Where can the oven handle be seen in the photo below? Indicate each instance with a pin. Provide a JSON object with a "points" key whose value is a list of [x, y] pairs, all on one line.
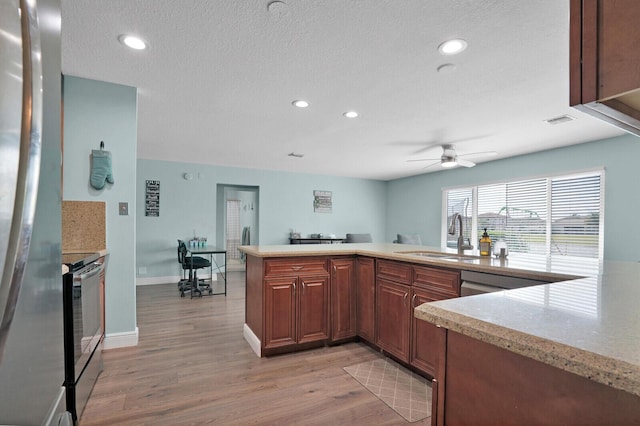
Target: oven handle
{"points": [[92, 273]]}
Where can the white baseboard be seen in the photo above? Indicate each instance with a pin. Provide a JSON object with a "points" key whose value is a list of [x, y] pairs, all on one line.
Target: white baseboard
{"points": [[120, 340], [157, 280], [251, 339], [164, 280]]}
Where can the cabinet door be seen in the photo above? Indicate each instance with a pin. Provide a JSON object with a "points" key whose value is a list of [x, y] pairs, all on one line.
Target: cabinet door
{"points": [[280, 312], [366, 298], [313, 308], [343, 299], [424, 335], [393, 318]]}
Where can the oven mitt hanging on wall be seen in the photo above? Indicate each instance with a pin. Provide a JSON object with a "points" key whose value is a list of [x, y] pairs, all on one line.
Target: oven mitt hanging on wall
{"points": [[100, 168]]}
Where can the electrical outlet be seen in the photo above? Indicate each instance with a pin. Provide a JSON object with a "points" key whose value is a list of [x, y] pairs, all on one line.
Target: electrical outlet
{"points": [[142, 270]]}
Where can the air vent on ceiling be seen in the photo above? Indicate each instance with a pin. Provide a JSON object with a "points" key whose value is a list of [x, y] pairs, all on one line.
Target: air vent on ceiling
{"points": [[561, 119]]}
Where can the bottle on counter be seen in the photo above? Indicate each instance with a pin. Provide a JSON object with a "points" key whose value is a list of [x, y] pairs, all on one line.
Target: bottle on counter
{"points": [[485, 244]]}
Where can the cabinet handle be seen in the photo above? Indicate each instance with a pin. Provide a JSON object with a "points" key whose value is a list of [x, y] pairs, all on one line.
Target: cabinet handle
{"points": [[303, 287], [404, 299], [297, 268], [294, 289], [413, 301]]}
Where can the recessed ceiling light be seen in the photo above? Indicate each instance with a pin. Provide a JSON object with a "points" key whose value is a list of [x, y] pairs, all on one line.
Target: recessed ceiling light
{"points": [[300, 104], [350, 114], [132, 42], [451, 47]]}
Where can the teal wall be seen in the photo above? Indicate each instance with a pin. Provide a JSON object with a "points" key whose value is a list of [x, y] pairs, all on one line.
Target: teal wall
{"points": [[145, 247], [95, 111], [415, 204], [285, 203]]}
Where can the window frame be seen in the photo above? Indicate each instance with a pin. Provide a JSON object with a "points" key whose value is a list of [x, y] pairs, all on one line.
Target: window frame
{"points": [[549, 177]]}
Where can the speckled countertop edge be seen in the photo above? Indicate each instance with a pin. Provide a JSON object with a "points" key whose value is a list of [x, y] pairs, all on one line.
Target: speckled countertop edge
{"points": [[398, 252], [602, 369]]}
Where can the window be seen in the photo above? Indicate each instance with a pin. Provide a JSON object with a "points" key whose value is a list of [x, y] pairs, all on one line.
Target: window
{"points": [[557, 215]]}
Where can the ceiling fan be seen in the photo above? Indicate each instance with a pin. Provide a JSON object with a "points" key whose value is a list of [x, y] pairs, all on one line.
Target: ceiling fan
{"points": [[450, 158]]}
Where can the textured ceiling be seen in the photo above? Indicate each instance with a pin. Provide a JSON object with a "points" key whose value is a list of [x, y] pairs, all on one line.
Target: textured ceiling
{"points": [[217, 81]]}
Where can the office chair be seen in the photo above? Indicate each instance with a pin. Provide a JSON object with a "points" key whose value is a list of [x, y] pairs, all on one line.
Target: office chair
{"points": [[191, 264], [358, 238], [409, 239]]}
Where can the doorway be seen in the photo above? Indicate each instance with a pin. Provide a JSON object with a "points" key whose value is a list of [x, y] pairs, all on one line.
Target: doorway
{"points": [[237, 220]]}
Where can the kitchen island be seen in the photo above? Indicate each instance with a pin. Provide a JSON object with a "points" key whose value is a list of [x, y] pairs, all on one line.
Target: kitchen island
{"points": [[565, 353], [585, 325]]}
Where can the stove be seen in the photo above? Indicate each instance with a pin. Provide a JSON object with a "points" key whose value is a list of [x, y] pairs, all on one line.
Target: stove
{"points": [[76, 261], [83, 298]]}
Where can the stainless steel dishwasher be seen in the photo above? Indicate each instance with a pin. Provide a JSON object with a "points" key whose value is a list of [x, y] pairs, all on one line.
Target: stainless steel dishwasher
{"points": [[481, 282]]}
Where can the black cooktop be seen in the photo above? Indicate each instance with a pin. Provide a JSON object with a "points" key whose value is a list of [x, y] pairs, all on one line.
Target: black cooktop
{"points": [[76, 261]]}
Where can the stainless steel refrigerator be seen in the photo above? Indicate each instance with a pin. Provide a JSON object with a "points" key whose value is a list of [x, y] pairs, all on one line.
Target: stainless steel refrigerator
{"points": [[31, 332]]}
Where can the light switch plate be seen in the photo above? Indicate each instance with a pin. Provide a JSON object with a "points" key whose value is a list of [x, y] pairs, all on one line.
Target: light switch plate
{"points": [[123, 208]]}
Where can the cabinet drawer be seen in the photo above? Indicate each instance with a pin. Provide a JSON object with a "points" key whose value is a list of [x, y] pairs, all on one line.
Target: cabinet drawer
{"points": [[437, 279], [295, 266], [394, 271]]}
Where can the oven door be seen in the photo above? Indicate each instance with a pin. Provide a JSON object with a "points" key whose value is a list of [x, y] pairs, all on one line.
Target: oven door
{"points": [[87, 314]]}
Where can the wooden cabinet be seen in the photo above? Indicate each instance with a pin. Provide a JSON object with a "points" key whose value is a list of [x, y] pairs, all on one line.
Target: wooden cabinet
{"points": [[393, 309], [604, 60], [280, 315], [428, 285], [295, 310], [313, 304], [300, 302], [401, 287], [366, 298], [484, 384], [287, 302], [393, 312], [423, 335], [343, 298]]}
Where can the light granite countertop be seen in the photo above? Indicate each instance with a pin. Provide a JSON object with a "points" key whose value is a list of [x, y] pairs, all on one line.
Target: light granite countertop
{"points": [[589, 326], [533, 267], [588, 323]]}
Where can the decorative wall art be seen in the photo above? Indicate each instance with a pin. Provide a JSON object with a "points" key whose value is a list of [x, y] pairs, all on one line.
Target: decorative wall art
{"points": [[322, 201], [152, 198]]}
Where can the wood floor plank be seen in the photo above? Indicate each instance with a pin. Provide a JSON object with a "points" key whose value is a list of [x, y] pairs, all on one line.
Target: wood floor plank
{"points": [[192, 366]]}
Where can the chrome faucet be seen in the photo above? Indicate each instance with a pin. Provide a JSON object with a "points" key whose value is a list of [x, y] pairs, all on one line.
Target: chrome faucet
{"points": [[452, 231]]}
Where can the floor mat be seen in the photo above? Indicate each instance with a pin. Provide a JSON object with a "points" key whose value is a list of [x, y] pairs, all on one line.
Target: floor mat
{"points": [[404, 391]]}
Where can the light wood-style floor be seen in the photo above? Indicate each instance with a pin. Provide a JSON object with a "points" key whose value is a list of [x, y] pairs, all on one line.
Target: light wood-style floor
{"points": [[192, 366]]}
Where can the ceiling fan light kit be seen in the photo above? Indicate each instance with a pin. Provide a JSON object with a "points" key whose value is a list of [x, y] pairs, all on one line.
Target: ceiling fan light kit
{"points": [[450, 158]]}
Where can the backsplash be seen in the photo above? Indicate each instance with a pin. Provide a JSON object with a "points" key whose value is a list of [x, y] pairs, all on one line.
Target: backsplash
{"points": [[83, 226]]}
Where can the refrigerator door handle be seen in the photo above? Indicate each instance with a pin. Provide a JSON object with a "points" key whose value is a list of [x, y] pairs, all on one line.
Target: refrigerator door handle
{"points": [[28, 171]]}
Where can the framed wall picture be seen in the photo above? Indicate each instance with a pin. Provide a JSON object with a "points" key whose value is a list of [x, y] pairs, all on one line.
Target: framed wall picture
{"points": [[152, 198], [322, 201]]}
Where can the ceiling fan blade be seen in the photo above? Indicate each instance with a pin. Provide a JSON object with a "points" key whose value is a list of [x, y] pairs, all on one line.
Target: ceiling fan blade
{"points": [[423, 159], [465, 163], [479, 154], [437, 163]]}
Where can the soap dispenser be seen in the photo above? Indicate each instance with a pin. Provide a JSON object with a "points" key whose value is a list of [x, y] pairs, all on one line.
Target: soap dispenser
{"points": [[485, 244]]}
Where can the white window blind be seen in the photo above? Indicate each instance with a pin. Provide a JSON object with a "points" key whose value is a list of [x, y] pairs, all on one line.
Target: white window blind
{"points": [[575, 214], [559, 215]]}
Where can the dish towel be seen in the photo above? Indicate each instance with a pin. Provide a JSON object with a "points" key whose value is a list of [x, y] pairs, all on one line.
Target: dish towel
{"points": [[100, 168]]}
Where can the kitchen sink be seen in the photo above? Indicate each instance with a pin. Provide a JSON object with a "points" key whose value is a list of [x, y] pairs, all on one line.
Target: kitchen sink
{"points": [[439, 255]]}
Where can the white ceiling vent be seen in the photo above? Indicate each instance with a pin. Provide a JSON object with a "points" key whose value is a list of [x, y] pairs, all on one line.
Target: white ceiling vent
{"points": [[559, 120]]}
